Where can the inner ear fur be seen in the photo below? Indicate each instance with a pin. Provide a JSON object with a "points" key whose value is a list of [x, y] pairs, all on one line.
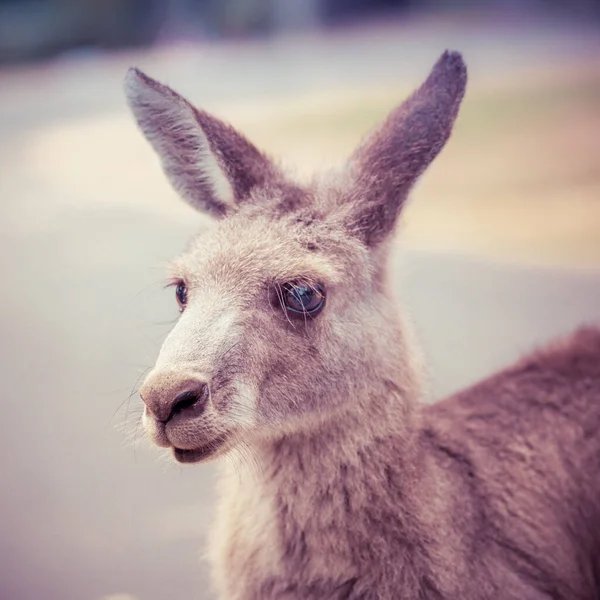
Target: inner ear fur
{"points": [[211, 165]]}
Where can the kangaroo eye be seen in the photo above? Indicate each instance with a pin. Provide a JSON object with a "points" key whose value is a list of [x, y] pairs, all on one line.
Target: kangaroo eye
{"points": [[302, 299], [181, 295]]}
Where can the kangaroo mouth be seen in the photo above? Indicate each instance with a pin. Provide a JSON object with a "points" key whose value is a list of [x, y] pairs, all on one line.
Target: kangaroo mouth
{"points": [[199, 454]]}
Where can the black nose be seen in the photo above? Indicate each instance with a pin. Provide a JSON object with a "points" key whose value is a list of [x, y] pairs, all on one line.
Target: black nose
{"points": [[188, 402]]}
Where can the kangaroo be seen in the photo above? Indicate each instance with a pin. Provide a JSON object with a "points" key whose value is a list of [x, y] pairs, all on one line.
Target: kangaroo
{"points": [[292, 361]]}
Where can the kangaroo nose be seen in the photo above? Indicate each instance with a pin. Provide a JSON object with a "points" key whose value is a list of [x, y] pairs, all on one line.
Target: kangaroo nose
{"points": [[167, 396]]}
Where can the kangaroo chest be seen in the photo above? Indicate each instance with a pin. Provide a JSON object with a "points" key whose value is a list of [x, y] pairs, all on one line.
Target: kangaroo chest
{"points": [[264, 547]]}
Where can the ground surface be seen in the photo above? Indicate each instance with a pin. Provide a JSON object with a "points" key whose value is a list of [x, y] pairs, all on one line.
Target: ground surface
{"points": [[88, 221]]}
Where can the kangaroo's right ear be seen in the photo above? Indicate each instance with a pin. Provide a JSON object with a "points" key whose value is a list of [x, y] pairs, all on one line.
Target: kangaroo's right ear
{"points": [[385, 167], [211, 165]]}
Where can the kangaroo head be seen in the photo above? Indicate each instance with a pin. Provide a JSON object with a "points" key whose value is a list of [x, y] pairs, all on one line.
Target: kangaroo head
{"points": [[286, 317]]}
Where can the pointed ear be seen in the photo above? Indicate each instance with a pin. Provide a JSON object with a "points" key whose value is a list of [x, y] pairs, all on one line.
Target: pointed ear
{"points": [[212, 166], [387, 164]]}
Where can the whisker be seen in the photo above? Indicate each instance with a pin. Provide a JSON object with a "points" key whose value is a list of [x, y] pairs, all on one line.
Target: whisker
{"points": [[127, 400], [279, 293], [146, 288]]}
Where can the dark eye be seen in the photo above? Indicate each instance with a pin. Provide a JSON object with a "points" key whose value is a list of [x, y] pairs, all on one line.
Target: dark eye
{"points": [[303, 299], [181, 295]]}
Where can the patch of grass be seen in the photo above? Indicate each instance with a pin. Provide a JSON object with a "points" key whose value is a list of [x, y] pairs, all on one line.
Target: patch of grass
{"points": [[483, 111], [513, 108]]}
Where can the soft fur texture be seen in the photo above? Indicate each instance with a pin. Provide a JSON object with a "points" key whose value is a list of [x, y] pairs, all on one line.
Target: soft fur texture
{"points": [[336, 483]]}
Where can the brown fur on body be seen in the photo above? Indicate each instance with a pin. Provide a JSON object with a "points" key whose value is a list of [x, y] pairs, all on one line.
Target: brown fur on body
{"points": [[336, 482], [524, 445]]}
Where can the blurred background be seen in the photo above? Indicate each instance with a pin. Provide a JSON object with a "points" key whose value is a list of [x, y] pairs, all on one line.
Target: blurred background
{"points": [[499, 251]]}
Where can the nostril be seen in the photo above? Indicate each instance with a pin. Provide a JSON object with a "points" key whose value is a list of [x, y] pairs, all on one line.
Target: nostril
{"points": [[186, 400]]}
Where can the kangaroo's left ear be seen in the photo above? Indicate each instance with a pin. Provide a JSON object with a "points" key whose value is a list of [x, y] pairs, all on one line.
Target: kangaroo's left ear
{"points": [[387, 164], [211, 165]]}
